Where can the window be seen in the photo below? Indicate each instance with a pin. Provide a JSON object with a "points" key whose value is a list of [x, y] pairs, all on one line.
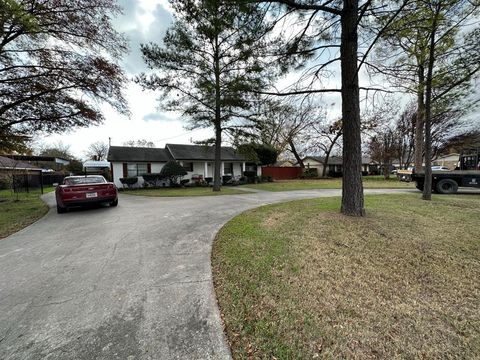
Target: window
{"points": [[137, 169], [84, 180], [188, 166], [228, 168]]}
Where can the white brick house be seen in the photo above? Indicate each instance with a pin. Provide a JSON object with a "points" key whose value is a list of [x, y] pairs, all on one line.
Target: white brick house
{"points": [[196, 159]]}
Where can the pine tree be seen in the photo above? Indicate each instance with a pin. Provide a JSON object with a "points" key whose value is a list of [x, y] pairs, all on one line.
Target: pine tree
{"points": [[209, 65]]}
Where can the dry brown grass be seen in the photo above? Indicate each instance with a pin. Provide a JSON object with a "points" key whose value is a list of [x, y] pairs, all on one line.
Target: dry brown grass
{"points": [[401, 283]]}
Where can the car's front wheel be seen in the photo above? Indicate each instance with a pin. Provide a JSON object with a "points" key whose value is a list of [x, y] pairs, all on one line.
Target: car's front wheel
{"points": [[114, 202]]}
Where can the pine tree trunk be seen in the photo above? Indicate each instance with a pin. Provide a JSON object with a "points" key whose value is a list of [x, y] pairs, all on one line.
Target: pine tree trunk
{"points": [[217, 181], [352, 187], [420, 122]]}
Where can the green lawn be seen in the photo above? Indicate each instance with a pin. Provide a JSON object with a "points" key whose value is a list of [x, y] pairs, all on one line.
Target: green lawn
{"points": [[371, 182], [15, 214], [191, 191], [299, 281]]}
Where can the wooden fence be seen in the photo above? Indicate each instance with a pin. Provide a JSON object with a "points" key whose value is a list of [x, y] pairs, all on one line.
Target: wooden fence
{"points": [[283, 172]]}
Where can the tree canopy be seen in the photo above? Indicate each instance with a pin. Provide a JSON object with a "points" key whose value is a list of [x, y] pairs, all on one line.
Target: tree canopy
{"points": [[260, 154], [57, 64], [173, 171]]}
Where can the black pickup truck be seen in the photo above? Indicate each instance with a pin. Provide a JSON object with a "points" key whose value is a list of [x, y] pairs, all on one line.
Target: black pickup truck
{"points": [[467, 174]]}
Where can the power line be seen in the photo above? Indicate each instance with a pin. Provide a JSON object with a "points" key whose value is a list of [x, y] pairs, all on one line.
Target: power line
{"points": [[176, 136]]}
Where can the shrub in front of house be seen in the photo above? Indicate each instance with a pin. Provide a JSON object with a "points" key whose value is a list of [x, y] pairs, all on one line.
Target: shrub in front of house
{"points": [[200, 183], [152, 180], [309, 173], [250, 175], [266, 178], [226, 179], [174, 172], [129, 181], [335, 174], [243, 180]]}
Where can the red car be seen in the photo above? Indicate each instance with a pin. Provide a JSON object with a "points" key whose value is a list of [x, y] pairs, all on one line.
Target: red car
{"points": [[84, 190]]}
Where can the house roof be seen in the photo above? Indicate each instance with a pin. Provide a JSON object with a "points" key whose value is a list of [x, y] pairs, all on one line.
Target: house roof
{"points": [[7, 163], [201, 152], [55, 159], [141, 154], [337, 160]]}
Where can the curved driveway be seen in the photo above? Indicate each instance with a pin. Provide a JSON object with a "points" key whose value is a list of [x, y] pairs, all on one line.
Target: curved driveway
{"points": [[132, 282]]}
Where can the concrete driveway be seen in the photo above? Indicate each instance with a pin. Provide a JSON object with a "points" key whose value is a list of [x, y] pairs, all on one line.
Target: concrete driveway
{"points": [[132, 282]]}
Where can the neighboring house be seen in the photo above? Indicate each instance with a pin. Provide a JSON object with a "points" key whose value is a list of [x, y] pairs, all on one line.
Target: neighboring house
{"points": [[198, 161], [45, 162], [335, 163], [448, 160], [284, 163], [25, 175]]}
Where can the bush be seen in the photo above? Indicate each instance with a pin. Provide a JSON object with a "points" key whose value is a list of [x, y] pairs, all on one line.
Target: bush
{"points": [[152, 179], [209, 180], [266, 178], [200, 183], [184, 182], [260, 154], [243, 180], [129, 181], [173, 171], [4, 182], [335, 174], [309, 173], [250, 175], [226, 179]]}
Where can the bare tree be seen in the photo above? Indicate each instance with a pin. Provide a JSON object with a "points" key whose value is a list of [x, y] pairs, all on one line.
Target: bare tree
{"points": [[384, 148], [139, 143], [327, 136], [97, 151]]}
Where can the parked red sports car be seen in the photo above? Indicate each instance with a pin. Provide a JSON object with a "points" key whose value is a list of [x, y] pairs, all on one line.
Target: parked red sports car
{"points": [[83, 190]]}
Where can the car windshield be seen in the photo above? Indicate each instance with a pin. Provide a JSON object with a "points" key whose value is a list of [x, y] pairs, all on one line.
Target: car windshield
{"points": [[84, 180]]}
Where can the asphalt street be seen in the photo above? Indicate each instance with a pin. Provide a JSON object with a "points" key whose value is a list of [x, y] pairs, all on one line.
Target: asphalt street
{"points": [[131, 282]]}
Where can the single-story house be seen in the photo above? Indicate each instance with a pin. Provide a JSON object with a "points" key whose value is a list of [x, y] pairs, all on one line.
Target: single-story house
{"points": [[22, 174], [44, 162], [284, 163], [335, 163], [448, 160], [198, 161]]}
